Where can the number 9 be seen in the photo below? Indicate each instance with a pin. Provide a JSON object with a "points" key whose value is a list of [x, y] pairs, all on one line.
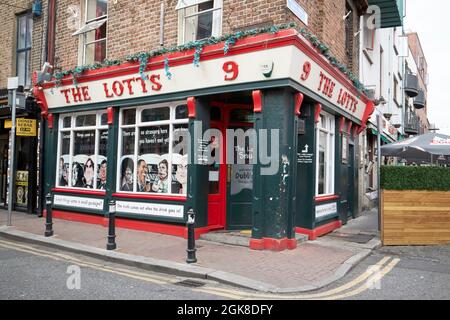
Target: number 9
{"points": [[232, 69], [306, 71]]}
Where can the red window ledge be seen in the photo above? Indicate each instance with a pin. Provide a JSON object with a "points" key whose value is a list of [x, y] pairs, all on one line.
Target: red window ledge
{"points": [[148, 197], [84, 192], [326, 198]]}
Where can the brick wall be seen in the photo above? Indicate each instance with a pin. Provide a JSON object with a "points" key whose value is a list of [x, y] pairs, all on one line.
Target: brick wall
{"points": [[8, 34], [134, 26]]}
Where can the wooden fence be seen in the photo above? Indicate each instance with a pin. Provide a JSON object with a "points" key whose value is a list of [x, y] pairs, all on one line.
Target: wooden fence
{"points": [[415, 217]]}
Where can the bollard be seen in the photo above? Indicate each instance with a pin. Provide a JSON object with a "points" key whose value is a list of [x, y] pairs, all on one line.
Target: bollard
{"points": [[191, 237], [111, 245], [48, 217]]}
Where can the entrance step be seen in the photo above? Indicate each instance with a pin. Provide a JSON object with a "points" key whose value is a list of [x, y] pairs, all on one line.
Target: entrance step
{"points": [[238, 238]]}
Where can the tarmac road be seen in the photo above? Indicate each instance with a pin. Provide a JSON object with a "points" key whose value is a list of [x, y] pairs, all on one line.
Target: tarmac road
{"points": [[37, 272]]}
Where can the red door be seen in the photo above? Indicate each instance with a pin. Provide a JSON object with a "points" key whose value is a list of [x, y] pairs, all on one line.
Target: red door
{"points": [[220, 173], [217, 181]]}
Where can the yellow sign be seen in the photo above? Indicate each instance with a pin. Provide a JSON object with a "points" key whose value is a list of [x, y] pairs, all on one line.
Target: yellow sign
{"points": [[26, 127]]}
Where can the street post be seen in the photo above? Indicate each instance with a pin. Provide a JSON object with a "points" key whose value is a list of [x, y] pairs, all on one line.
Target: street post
{"points": [[48, 216], [13, 84], [379, 168], [111, 245], [191, 258]]}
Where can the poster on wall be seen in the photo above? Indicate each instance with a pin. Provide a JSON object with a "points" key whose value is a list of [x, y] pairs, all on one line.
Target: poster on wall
{"points": [[83, 165], [242, 178], [22, 188], [154, 162]]}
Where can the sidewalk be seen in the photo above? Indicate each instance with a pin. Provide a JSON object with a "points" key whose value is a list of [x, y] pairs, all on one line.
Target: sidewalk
{"points": [[314, 264]]}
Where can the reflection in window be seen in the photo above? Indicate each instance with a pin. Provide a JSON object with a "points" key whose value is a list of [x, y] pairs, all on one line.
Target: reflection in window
{"points": [[325, 155]]}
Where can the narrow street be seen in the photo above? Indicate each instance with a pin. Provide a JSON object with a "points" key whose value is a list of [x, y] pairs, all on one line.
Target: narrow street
{"points": [[36, 272]]}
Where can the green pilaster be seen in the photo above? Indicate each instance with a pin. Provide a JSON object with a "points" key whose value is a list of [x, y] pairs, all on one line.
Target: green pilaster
{"points": [[341, 174], [306, 170], [50, 161], [111, 154], [272, 200], [197, 191]]}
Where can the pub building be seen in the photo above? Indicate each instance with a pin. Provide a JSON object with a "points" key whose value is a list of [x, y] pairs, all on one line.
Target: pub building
{"points": [[114, 135]]}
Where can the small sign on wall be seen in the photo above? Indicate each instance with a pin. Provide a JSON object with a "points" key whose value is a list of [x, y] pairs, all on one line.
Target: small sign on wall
{"points": [[326, 210], [298, 11], [151, 209], [78, 202]]}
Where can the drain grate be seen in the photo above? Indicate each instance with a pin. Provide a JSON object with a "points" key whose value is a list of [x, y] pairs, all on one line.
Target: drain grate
{"points": [[358, 238], [190, 283]]}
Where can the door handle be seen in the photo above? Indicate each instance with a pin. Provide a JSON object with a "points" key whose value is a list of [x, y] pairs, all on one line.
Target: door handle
{"points": [[228, 173]]}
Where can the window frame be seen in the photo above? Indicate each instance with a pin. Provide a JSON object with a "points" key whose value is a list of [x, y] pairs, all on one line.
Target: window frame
{"points": [[82, 36], [72, 129], [171, 122], [330, 155], [26, 49], [217, 11]]}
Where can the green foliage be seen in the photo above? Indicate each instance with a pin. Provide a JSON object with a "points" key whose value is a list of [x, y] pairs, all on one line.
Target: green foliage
{"points": [[415, 178], [229, 40]]}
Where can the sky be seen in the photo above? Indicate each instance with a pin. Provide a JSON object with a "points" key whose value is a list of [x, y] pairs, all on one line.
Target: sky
{"points": [[431, 20]]}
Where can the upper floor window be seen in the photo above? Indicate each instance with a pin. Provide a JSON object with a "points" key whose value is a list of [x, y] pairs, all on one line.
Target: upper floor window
{"points": [[93, 32], [23, 52], [199, 19]]}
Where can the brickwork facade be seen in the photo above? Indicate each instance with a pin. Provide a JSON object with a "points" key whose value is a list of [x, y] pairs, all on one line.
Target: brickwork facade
{"points": [[8, 37], [134, 26]]}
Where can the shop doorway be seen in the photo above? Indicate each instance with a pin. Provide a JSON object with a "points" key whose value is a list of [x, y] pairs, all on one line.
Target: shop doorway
{"points": [[351, 180], [231, 185]]}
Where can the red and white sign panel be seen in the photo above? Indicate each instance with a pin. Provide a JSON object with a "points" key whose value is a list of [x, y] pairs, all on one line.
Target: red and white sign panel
{"points": [[289, 62]]}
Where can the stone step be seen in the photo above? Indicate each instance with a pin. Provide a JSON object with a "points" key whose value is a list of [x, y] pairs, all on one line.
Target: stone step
{"points": [[238, 238]]}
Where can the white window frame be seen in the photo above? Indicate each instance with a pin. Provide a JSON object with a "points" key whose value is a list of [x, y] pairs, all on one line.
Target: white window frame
{"points": [[329, 129], [81, 33], [139, 124], [98, 127], [216, 20]]}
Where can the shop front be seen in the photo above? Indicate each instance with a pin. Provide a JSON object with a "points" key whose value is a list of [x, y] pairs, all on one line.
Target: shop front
{"points": [[260, 136]]}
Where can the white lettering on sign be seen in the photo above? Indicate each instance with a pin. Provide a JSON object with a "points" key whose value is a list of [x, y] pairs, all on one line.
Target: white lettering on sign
{"points": [[326, 210], [150, 209], [78, 202], [289, 62]]}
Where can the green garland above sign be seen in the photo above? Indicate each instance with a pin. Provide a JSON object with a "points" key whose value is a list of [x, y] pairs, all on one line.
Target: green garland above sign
{"points": [[229, 40]]}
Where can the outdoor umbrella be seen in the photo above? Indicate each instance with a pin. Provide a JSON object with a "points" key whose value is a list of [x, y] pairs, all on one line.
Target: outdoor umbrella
{"points": [[425, 147]]}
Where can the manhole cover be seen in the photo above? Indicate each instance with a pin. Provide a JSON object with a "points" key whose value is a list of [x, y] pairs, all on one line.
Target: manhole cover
{"points": [[358, 238], [190, 283]]}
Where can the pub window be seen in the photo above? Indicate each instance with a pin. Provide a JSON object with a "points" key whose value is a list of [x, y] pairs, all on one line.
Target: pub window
{"points": [[82, 145], [325, 155], [93, 32], [198, 19], [23, 52], [153, 149]]}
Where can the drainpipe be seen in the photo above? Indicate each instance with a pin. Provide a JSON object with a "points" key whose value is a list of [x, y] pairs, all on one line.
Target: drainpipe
{"points": [[49, 56]]}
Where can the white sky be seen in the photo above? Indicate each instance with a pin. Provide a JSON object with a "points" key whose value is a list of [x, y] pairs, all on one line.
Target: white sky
{"points": [[431, 20]]}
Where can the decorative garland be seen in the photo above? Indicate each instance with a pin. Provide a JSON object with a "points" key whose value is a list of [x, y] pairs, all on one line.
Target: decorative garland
{"points": [[229, 40]]}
